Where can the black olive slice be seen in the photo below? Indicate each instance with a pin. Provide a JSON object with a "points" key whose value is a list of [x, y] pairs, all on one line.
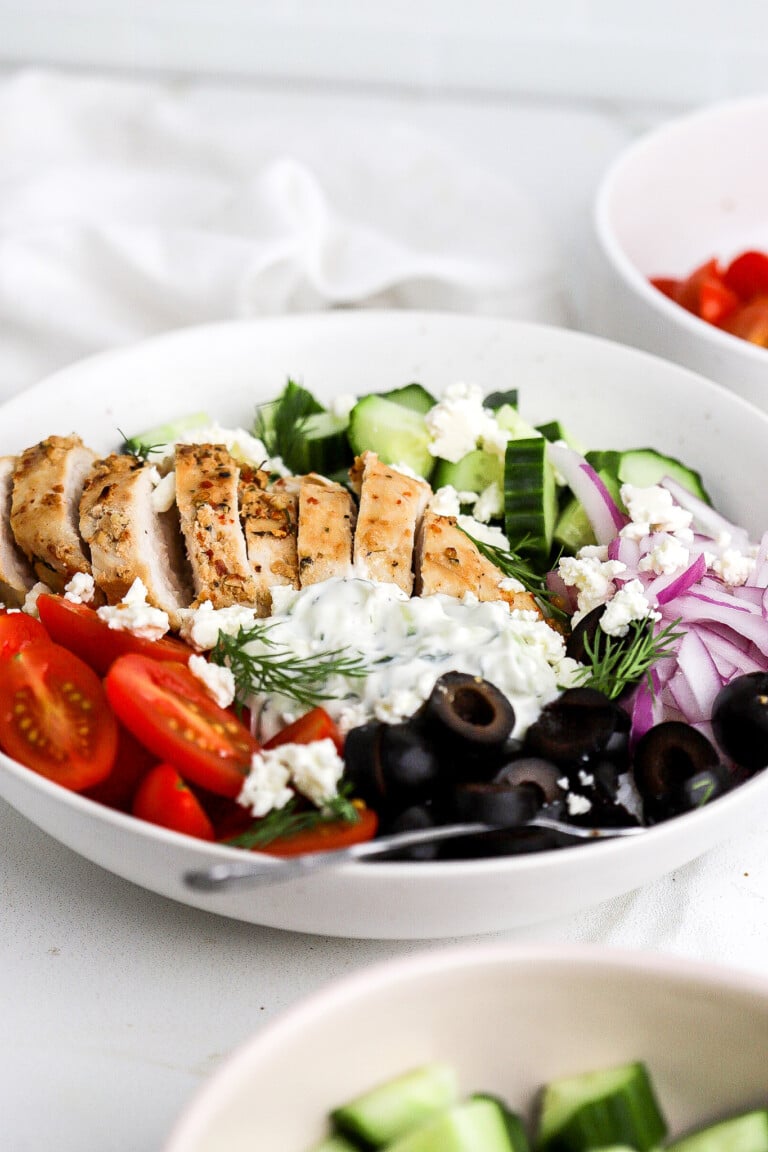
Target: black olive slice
{"points": [[413, 819], [703, 787], [503, 804], [410, 768], [740, 720], [536, 773], [579, 723], [362, 762], [469, 712], [666, 756]]}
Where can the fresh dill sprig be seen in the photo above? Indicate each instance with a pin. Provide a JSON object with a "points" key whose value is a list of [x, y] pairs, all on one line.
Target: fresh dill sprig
{"points": [[293, 818], [281, 424], [512, 564], [279, 671], [133, 447], [614, 662]]}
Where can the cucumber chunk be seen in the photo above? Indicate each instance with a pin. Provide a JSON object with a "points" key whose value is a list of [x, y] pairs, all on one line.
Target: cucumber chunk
{"points": [[335, 1144], [322, 446], [645, 467], [397, 434], [475, 1126], [389, 1110], [530, 496], [163, 434], [496, 400], [518, 1137], [473, 473], [745, 1133], [599, 1109], [511, 421], [412, 396]]}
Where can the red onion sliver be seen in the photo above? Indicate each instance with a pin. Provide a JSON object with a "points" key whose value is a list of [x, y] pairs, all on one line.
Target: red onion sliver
{"points": [[704, 515], [604, 517], [670, 586]]}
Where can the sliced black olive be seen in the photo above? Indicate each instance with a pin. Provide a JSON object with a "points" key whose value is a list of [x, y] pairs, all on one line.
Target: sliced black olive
{"points": [[665, 757], [536, 773], [740, 720], [410, 768], [502, 804], [503, 842], [578, 724], [703, 787], [469, 711], [413, 819], [362, 762]]}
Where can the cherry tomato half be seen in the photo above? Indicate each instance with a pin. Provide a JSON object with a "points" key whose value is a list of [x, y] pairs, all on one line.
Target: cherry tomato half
{"points": [[54, 716], [747, 275], [169, 711], [163, 798], [751, 322], [17, 630], [327, 836], [131, 765], [313, 725], [80, 628]]}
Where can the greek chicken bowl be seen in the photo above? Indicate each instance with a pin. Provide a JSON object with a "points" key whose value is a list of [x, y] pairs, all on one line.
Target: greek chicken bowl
{"points": [[474, 614]]}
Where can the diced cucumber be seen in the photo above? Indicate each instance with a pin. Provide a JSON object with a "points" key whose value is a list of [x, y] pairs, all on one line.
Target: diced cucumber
{"points": [[397, 434], [572, 528], [335, 1144], [412, 396], [554, 431], [645, 467], [475, 1126], [745, 1133], [599, 1109], [322, 446], [473, 473], [496, 400], [518, 1137], [530, 496], [511, 421], [163, 434], [387, 1111]]}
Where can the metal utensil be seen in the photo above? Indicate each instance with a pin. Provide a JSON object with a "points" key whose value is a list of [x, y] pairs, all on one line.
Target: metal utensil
{"points": [[255, 871]]}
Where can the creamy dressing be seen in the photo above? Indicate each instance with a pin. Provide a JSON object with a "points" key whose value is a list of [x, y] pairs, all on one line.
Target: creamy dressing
{"points": [[406, 644]]}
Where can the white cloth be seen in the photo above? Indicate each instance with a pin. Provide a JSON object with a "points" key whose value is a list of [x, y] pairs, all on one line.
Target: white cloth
{"points": [[127, 208]]}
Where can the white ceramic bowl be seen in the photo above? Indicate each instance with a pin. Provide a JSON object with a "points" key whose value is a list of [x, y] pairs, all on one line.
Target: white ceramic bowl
{"points": [[508, 1019], [609, 396], [695, 188]]}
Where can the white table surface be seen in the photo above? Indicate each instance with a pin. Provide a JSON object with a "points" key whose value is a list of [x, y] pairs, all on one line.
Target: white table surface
{"points": [[116, 1003]]}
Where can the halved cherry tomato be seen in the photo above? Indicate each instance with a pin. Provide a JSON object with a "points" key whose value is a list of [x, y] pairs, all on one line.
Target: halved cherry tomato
{"points": [[747, 275], [131, 765], [750, 322], [313, 725], [327, 836], [163, 798], [17, 630], [54, 716], [705, 294], [169, 711], [668, 285], [79, 628]]}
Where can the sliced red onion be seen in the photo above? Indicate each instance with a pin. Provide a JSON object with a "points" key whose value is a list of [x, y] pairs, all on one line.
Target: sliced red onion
{"points": [[671, 585], [558, 587], [758, 577], [705, 516], [736, 615], [728, 654], [697, 681], [604, 517], [646, 708], [626, 550]]}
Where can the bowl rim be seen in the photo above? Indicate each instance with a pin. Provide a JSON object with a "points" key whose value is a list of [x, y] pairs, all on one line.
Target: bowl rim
{"points": [[614, 250], [243, 1062]]}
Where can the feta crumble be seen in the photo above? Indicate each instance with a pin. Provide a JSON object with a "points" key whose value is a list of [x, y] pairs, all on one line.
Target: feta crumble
{"points": [[447, 501], [489, 504], [200, 626], [134, 614], [577, 805], [217, 680], [30, 601], [486, 533], [459, 423], [592, 578], [653, 509], [667, 556], [734, 568], [164, 492], [276, 774], [80, 589], [627, 605]]}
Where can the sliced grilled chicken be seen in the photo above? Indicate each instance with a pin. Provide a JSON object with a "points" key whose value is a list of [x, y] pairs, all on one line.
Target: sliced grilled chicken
{"points": [[326, 525], [129, 539], [391, 507], [447, 561], [16, 574], [270, 523], [47, 484], [207, 479]]}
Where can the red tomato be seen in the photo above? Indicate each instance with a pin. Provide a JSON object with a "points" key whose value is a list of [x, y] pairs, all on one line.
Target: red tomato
{"points": [[314, 725], [163, 798], [706, 295], [79, 628], [747, 275], [17, 630], [132, 763], [325, 837], [750, 322], [54, 716], [169, 711], [667, 285]]}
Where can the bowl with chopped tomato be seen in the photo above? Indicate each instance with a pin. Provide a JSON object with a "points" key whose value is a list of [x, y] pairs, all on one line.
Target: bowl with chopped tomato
{"points": [[682, 238]]}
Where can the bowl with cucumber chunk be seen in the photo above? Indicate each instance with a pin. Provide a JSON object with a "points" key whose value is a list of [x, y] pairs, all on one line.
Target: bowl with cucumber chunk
{"points": [[501, 1048]]}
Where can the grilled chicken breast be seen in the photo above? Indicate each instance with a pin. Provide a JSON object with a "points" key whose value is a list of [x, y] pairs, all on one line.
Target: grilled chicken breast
{"points": [[270, 523], [326, 526], [447, 561], [45, 507], [16, 574], [128, 539], [207, 479], [391, 507]]}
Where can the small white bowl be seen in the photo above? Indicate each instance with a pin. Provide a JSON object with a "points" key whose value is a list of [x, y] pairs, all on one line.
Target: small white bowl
{"points": [[508, 1018], [693, 189]]}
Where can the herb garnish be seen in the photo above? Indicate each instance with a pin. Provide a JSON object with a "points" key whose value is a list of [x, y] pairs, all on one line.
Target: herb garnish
{"points": [[133, 447], [281, 424], [293, 818], [614, 662], [278, 670], [513, 565]]}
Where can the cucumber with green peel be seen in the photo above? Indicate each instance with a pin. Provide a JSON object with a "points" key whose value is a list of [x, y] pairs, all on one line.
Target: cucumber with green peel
{"points": [[472, 473], [512, 422], [554, 431], [645, 467], [516, 1133], [530, 496], [478, 1125], [322, 446], [143, 443], [745, 1133], [412, 396], [496, 400], [382, 1115], [600, 1109], [335, 1144], [398, 434]]}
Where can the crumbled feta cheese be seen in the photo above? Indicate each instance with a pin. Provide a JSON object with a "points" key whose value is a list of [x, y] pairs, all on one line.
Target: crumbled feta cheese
{"points": [[459, 423], [577, 805], [80, 589], [563, 783], [30, 601], [652, 509], [218, 680], [594, 552], [266, 785], [489, 504], [164, 493], [200, 626], [134, 614], [509, 584], [586, 779], [628, 604], [592, 578], [342, 404], [238, 441], [447, 501], [406, 470], [316, 769], [733, 567], [486, 533], [313, 769], [667, 556]]}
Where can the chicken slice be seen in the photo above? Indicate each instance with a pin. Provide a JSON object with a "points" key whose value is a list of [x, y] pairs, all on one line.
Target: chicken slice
{"points": [[270, 523], [47, 484], [129, 540], [391, 507], [16, 574], [207, 479], [448, 561], [326, 525]]}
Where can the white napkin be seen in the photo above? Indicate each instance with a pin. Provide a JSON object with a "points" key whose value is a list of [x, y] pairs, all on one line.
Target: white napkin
{"points": [[127, 208]]}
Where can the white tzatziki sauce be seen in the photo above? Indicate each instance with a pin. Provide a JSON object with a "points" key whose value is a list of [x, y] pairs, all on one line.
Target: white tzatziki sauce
{"points": [[406, 644]]}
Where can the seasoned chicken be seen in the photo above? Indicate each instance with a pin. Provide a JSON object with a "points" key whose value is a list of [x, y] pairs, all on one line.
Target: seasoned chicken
{"points": [[129, 539], [16, 575], [207, 479], [326, 524], [447, 561], [270, 523], [391, 507], [47, 484]]}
